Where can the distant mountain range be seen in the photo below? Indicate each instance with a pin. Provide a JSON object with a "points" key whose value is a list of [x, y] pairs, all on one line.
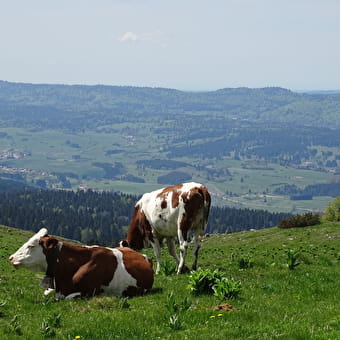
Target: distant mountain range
{"points": [[73, 103], [321, 92]]}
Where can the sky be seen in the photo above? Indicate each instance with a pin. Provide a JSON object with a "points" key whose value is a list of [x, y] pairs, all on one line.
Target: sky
{"points": [[191, 45]]}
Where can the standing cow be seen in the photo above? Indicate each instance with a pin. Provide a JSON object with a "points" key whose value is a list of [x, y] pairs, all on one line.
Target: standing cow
{"points": [[75, 270], [167, 213]]}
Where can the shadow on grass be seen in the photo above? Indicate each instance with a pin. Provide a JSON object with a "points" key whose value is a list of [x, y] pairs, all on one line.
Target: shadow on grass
{"points": [[156, 290]]}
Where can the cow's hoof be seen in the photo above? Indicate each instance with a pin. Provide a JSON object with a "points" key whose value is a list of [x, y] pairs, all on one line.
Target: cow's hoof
{"points": [[184, 270]]}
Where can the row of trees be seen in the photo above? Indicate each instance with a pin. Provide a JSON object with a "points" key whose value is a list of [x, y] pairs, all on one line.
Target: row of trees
{"points": [[284, 144], [85, 216], [321, 189], [103, 217]]}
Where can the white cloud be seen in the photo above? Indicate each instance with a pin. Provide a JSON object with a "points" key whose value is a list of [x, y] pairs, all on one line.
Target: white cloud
{"points": [[148, 36], [129, 36]]}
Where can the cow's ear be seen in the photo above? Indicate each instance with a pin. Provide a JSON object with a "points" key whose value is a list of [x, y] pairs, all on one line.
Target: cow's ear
{"points": [[52, 242], [48, 242]]}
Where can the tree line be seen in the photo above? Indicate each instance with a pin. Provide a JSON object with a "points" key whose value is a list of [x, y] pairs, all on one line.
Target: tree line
{"points": [[103, 217], [321, 189]]}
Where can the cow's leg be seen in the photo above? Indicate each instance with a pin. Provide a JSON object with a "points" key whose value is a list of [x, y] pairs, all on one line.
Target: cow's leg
{"points": [[85, 282], [157, 251], [172, 249], [183, 246], [197, 247]]}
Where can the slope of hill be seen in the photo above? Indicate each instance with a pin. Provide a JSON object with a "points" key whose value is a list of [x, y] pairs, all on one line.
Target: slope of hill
{"points": [[275, 302]]}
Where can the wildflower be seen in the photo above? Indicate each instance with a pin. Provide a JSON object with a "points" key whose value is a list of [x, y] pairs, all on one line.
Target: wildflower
{"points": [[212, 316], [220, 314]]}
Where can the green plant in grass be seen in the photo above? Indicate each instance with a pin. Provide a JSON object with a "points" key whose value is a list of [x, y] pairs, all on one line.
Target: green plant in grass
{"points": [[174, 307], [48, 325], [46, 330], [124, 303], [202, 281], [245, 262], [205, 281], [169, 267], [55, 320], [176, 310], [175, 323], [14, 326], [292, 258], [227, 288]]}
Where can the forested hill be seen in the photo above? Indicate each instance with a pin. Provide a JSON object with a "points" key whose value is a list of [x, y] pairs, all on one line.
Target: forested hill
{"points": [[80, 106], [103, 217]]}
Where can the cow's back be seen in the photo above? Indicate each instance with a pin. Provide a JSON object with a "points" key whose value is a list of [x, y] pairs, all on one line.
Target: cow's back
{"points": [[166, 209], [134, 273]]}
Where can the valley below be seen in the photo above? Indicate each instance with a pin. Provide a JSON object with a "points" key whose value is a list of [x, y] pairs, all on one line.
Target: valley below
{"points": [[253, 148]]}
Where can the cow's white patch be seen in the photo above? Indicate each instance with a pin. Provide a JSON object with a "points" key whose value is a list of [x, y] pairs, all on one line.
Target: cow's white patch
{"points": [[163, 221], [30, 255], [121, 278], [48, 291]]}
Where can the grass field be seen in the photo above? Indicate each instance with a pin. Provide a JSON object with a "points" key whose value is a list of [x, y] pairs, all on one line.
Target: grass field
{"points": [[275, 302]]}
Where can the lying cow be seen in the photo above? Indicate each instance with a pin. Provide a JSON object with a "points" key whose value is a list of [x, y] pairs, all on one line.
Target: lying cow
{"points": [[167, 213], [85, 271]]}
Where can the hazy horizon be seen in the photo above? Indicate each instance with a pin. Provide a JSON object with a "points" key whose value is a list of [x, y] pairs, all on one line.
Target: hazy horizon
{"points": [[186, 45]]}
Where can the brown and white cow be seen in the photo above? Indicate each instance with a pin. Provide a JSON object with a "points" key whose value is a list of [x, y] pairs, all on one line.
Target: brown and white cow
{"points": [[85, 271], [167, 213]]}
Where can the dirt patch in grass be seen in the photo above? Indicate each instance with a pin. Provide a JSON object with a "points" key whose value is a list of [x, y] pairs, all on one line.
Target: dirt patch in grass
{"points": [[224, 307]]}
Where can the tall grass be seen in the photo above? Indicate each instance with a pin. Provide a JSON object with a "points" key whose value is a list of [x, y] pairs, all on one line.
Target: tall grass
{"points": [[274, 303]]}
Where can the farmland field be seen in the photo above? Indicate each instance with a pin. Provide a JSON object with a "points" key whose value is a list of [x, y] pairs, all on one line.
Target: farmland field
{"points": [[275, 302], [79, 156]]}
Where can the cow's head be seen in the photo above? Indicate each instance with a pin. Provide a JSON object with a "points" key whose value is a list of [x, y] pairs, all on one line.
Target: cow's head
{"points": [[139, 233], [30, 255]]}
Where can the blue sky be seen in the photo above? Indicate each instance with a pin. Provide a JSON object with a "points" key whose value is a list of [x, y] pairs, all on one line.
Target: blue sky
{"points": [[183, 44]]}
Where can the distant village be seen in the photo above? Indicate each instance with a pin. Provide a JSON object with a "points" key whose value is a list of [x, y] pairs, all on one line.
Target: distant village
{"points": [[14, 154]]}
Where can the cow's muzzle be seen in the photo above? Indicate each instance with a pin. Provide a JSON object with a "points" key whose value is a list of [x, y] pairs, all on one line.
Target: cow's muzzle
{"points": [[15, 265]]}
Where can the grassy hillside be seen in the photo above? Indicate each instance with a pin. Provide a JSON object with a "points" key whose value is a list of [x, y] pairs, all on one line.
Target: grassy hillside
{"points": [[275, 302]]}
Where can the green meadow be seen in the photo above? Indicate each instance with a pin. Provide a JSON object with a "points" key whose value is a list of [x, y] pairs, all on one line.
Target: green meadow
{"points": [[280, 297]]}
